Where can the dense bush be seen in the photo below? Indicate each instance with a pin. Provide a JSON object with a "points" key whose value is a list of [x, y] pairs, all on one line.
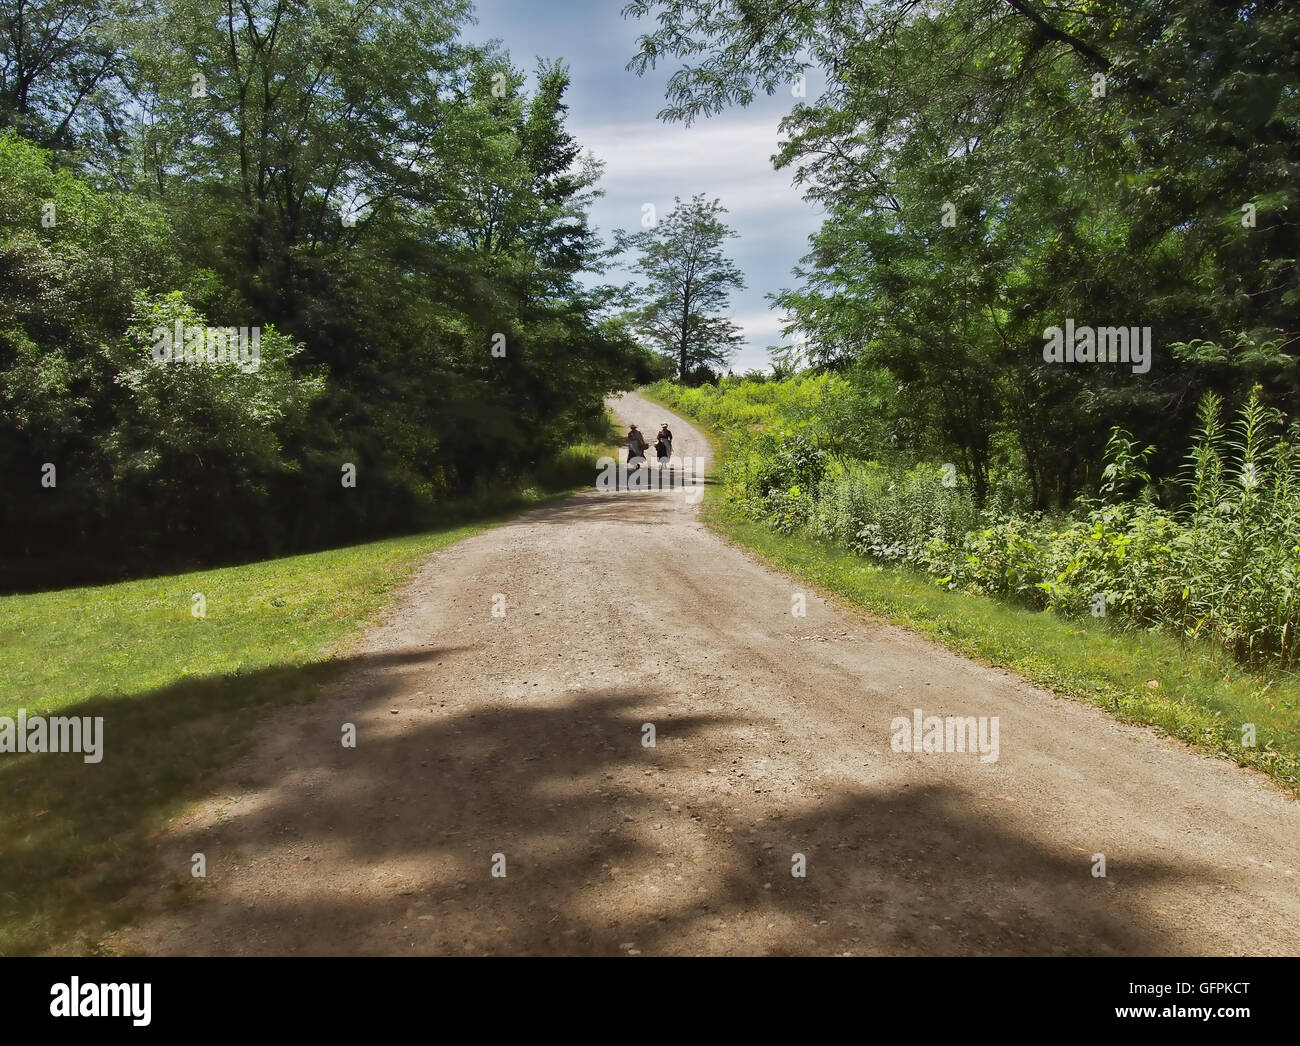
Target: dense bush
{"points": [[424, 322], [1224, 564], [198, 443]]}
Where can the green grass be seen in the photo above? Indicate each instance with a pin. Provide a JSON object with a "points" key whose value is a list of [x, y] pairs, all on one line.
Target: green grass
{"points": [[181, 698], [1200, 694]]}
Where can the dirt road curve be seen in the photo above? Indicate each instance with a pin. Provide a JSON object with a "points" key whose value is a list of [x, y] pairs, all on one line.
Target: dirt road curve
{"points": [[522, 736]]}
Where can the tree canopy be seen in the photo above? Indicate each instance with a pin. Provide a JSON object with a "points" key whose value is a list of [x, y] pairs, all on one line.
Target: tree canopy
{"points": [[401, 217], [990, 168]]}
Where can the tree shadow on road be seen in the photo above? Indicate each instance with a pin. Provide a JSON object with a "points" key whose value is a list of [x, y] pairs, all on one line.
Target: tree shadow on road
{"points": [[74, 835], [610, 846]]}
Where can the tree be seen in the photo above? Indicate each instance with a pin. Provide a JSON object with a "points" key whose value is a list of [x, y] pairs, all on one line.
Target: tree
{"points": [[991, 166], [405, 222], [60, 69], [688, 284]]}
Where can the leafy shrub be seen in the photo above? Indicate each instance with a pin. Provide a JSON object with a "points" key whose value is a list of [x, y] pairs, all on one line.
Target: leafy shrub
{"points": [[1225, 565], [199, 442]]}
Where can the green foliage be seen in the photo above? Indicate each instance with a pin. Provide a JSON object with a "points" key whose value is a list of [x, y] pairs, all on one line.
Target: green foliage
{"points": [[740, 404], [1224, 566], [200, 441], [62, 69], [385, 203], [1125, 464], [988, 170]]}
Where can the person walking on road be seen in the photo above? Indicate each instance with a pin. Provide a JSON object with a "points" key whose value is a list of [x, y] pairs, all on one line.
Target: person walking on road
{"points": [[664, 445], [635, 445]]}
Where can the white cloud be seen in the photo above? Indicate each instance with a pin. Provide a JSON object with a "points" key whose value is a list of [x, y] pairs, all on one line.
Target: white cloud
{"points": [[649, 144], [762, 328], [650, 162]]}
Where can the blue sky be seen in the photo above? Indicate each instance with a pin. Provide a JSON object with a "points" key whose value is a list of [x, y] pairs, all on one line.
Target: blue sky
{"points": [[612, 112]]}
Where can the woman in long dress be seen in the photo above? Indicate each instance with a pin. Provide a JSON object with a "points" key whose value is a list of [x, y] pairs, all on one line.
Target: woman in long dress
{"points": [[635, 447], [664, 445]]}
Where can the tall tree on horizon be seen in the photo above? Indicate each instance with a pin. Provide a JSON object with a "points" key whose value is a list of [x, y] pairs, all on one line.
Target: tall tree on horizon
{"points": [[688, 284]]}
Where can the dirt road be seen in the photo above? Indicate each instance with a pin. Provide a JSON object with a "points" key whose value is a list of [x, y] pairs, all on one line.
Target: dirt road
{"points": [[522, 736]]}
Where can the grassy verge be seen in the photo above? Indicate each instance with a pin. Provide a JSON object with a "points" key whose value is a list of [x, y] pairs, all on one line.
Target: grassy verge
{"points": [[180, 696], [1191, 691]]}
